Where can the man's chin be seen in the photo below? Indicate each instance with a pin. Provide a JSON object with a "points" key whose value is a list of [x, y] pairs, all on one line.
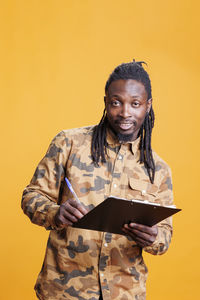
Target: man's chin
{"points": [[125, 137]]}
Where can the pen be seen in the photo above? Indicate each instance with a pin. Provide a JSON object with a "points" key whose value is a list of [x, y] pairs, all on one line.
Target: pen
{"points": [[72, 190]]}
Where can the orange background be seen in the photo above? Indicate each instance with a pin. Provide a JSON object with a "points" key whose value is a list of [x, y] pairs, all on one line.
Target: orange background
{"points": [[55, 57]]}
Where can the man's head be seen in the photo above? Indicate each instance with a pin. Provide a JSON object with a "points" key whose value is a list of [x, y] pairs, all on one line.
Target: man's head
{"points": [[128, 111], [128, 83], [127, 105]]}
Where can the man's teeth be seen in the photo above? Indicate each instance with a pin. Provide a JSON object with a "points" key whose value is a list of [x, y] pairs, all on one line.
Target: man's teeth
{"points": [[125, 125]]}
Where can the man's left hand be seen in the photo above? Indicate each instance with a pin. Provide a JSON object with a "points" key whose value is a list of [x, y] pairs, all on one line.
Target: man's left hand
{"points": [[143, 235]]}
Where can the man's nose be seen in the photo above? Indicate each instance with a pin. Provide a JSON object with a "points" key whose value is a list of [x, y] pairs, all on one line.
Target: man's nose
{"points": [[125, 111]]}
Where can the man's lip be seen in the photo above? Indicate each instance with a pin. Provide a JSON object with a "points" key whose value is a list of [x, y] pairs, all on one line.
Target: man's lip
{"points": [[125, 125], [128, 121]]}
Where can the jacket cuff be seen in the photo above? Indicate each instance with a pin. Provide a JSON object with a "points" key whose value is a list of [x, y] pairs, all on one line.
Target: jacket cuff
{"points": [[52, 211], [162, 241]]}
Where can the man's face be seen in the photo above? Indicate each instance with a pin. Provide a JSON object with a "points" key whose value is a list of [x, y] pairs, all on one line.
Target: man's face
{"points": [[126, 105]]}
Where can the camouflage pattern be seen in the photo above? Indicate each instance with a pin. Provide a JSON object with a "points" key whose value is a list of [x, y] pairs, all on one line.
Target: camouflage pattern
{"points": [[79, 262]]}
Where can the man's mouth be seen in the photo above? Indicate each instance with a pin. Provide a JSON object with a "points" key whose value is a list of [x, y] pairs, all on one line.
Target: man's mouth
{"points": [[125, 125]]}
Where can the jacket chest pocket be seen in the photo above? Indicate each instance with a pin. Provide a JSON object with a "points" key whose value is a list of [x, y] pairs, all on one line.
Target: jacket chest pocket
{"points": [[142, 190]]}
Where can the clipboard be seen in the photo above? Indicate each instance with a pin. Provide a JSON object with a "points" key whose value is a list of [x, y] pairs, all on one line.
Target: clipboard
{"points": [[111, 214]]}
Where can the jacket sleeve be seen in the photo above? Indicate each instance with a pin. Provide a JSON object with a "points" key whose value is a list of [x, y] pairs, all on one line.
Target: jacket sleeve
{"points": [[164, 197], [40, 198]]}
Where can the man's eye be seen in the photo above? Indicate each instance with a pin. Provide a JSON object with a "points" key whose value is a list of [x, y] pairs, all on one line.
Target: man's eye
{"points": [[136, 104], [115, 103]]}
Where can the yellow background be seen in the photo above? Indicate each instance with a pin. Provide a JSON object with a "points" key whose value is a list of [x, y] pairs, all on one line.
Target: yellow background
{"points": [[55, 57]]}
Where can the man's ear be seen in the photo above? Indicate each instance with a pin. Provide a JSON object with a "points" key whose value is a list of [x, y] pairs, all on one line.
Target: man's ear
{"points": [[149, 104]]}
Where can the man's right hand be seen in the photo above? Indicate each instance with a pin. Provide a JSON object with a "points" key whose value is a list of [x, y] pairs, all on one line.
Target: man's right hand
{"points": [[69, 213]]}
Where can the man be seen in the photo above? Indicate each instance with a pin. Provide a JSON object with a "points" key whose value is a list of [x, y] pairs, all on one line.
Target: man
{"points": [[112, 158]]}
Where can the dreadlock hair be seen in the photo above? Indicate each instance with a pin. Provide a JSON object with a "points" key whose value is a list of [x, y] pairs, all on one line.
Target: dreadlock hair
{"points": [[133, 70]]}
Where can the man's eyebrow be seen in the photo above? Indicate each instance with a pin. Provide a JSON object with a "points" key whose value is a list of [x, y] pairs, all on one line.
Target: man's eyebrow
{"points": [[115, 95], [121, 96], [136, 96]]}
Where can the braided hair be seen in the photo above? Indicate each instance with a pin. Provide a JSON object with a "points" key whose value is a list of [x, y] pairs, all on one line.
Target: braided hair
{"points": [[133, 70]]}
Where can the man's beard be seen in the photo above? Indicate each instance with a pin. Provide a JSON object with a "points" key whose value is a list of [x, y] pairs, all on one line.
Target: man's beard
{"points": [[124, 137]]}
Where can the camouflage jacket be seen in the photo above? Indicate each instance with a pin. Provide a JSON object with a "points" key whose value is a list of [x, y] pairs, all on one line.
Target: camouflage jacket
{"points": [[78, 263]]}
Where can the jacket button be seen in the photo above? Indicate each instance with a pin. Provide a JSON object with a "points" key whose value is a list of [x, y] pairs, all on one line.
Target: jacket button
{"points": [[143, 192]]}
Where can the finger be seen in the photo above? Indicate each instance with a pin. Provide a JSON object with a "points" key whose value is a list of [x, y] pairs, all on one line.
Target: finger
{"points": [[139, 234], [76, 205], [143, 228], [69, 217], [142, 234], [71, 207], [73, 211], [72, 202], [61, 220], [82, 209], [140, 242]]}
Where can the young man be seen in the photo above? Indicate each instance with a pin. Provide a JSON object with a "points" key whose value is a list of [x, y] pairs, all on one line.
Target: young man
{"points": [[112, 158]]}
